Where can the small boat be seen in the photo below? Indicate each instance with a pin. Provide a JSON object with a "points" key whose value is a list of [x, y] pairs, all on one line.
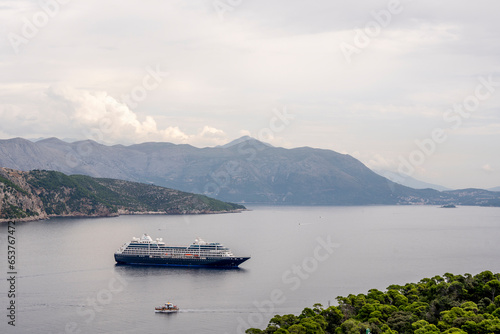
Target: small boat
{"points": [[167, 308]]}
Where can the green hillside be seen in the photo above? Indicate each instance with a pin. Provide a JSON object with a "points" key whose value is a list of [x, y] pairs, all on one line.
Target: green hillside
{"points": [[41, 194]]}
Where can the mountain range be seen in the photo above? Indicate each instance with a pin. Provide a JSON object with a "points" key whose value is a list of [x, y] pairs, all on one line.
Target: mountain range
{"points": [[245, 171]]}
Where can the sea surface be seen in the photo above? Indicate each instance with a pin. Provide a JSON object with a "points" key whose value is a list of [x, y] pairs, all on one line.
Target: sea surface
{"points": [[67, 280]]}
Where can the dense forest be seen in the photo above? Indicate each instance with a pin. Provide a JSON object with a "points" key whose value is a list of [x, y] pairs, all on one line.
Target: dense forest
{"points": [[441, 304]]}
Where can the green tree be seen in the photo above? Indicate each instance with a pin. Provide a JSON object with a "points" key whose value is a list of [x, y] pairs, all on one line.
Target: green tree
{"points": [[401, 322], [297, 329], [458, 316], [377, 295], [283, 321], [417, 308], [281, 331], [313, 326], [470, 306], [492, 287], [307, 313], [423, 327], [333, 317], [350, 326], [317, 308], [387, 330], [254, 331], [396, 298], [454, 330]]}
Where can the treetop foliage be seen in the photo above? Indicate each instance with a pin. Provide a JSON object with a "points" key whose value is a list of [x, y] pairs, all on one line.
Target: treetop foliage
{"points": [[441, 304]]}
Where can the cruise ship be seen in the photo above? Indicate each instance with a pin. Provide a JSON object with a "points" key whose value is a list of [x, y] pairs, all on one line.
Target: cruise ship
{"points": [[146, 251]]}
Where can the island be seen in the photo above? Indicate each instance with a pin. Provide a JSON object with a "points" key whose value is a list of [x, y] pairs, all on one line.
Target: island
{"points": [[41, 194]]}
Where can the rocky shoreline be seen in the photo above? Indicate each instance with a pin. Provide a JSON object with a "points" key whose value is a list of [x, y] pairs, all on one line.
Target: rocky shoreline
{"points": [[121, 213]]}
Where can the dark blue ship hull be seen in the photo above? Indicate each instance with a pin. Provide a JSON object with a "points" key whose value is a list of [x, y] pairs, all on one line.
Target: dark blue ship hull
{"points": [[227, 262]]}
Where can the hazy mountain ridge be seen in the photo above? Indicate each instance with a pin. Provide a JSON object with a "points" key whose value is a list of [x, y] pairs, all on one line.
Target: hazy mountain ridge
{"points": [[40, 194], [409, 181], [245, 170]]}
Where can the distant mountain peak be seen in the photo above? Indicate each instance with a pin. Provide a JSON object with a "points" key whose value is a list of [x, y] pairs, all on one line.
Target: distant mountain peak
{"points": [[245, 139], [53, 140]]}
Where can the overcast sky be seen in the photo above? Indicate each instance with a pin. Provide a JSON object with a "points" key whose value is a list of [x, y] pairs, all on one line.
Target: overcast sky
{"points": [[402, 85]]}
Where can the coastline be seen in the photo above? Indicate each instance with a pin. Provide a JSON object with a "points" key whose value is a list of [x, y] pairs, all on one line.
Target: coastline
{"points": [[121, 213]]}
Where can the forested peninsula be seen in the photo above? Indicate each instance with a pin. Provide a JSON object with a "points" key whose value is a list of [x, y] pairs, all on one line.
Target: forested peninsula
{"points": [[41, 194], [441, 304]]}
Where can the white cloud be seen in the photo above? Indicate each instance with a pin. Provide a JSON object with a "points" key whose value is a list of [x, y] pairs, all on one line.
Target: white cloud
{"points": [[175, 134], [209, 131], [103, 118], [102, 114]]}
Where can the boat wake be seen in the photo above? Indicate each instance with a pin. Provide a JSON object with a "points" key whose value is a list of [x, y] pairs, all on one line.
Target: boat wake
{"points": [[211, 310]]}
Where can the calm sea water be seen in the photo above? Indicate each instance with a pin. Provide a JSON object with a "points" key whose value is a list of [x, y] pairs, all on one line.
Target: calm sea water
{"points": [[68, 282]]}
